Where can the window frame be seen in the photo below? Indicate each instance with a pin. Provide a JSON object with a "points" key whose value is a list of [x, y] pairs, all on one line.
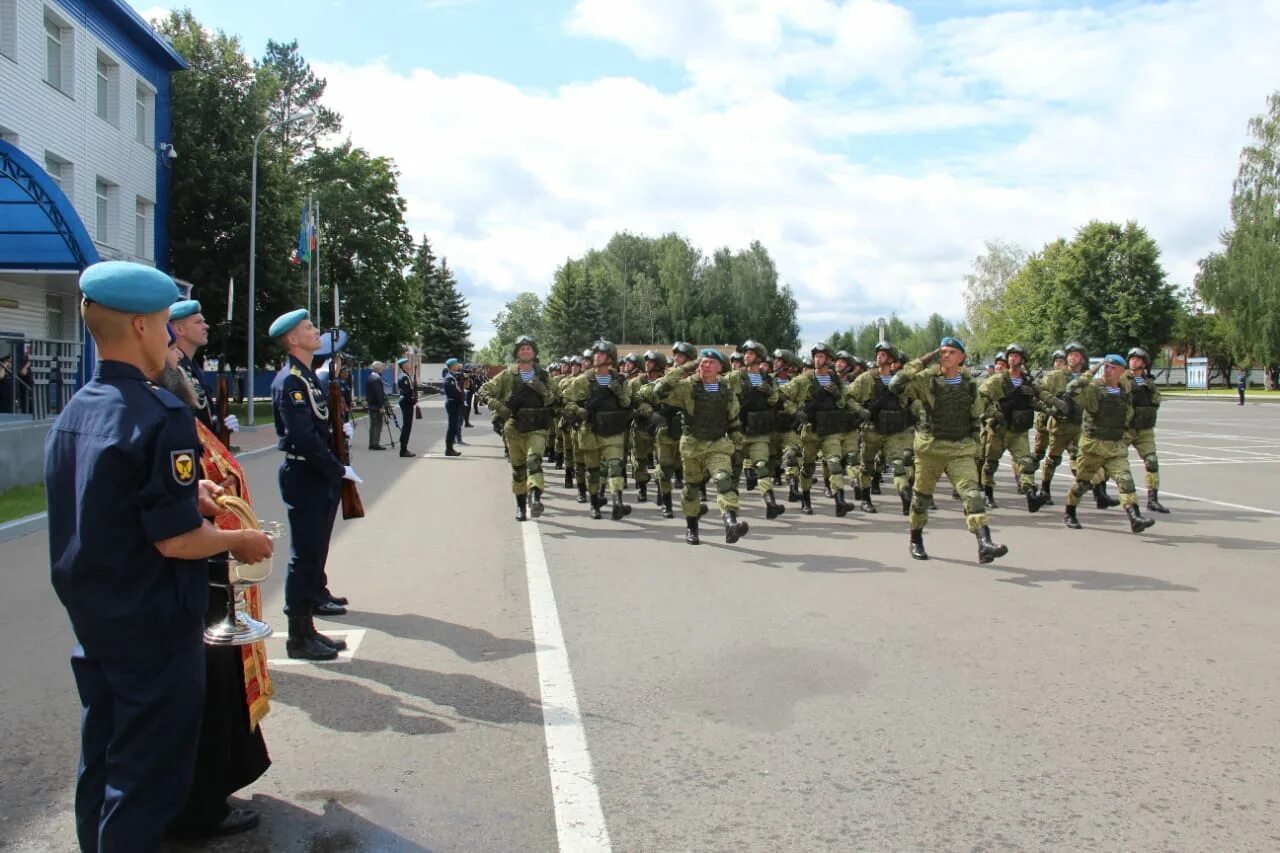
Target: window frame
{"points": [[102, 220]]}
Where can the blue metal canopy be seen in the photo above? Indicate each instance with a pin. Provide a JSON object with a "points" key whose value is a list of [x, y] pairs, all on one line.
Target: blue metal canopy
{"points": [[39, 227]]}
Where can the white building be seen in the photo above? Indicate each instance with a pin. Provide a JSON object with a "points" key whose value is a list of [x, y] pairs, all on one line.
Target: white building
{"points": [[84, 174]]}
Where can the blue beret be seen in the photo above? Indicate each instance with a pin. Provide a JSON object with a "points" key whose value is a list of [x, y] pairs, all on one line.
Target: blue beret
{"points": [[712, 353], [451, 362], [326, 343], [954, 343], [1112, 358], [400, 361], [285, 323], [128, 287], [185, 308]]}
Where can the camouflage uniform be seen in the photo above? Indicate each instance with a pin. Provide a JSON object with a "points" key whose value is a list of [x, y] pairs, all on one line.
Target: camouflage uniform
{"points": [[523, 402], [888, 433], [1013, 402], [831, 426], [758, 401], [604, 410], [1146, 404]]}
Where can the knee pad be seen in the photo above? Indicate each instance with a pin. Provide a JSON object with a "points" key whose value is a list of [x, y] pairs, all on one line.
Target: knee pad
{"points": [[763, 468], [809, 468], [1027, 465], [851, 461], [835, 463], [519, 474], [690, 493], [899, 467], [972, 501], [613, 467], [1055, 461], [920, 503], [1152, 463], [724, 482], [1124, 482], [909, 458], [534, 464]]}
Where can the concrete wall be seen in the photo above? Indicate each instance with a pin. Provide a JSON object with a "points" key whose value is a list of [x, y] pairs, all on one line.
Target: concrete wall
{"points": [[22, 453]]}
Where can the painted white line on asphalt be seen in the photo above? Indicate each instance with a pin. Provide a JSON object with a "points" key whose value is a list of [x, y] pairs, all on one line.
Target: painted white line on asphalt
{"points": [[1220, 503], [579, 818], [353, 636]]}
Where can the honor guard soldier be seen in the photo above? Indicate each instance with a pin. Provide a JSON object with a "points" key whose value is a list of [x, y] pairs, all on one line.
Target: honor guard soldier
{"points": [[192, 333], [1146, 403], [408, 399], [127, 549], [1107, 408], [310, 483], [601, 401], [1014, 399], [521, 396], [946, 441], [711, 418], [758, 400]]}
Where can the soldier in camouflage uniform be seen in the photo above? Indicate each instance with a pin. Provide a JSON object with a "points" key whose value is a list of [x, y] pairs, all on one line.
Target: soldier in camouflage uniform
{"points": [[758, 400], [785, 446], [1042, 421], [946, 435], [641, 436], [1104, 442], [711, 418], [887, 431], [1146, 403], [1013, 399], [653, 418], [817, 400], [522, 398], [601, 402]]}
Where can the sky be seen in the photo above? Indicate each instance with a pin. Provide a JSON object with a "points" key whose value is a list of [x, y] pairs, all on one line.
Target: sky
{"points": [[873, 147]]}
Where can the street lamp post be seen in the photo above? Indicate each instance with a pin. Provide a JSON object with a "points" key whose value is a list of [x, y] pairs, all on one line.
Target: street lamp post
{"points": [[880, 329], [253, 249]]}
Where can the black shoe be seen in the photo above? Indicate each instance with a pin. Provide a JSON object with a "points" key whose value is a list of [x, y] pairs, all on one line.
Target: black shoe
{"points": [[568, 478], [988, 550], [643, 493], [336, 645], [793, 490], [691, 534], [933, 505], [875, 484], [535, 503], [406, 454], [866, 505], [329, 608], [1044, 491], [989, 497], [1035, 500], [304, 645], [596, 503], [1136, 522], [679, 481], [826, 489], [806, 502], [842, 506], [777, 479], [917, 545], [772, 509], [560, 462], [666, 506], [1069, 518], [340, 600], [521, 504], [620, 510], [1153, 501], [905, 495], [373, 447], [1102, 499], [702, 492], [235, 822], [449, 452], [733, 529]]}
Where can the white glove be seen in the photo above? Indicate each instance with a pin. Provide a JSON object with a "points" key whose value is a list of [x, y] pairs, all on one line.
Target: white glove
{"points": [[350, 474], [349, 428], [232, 423]]}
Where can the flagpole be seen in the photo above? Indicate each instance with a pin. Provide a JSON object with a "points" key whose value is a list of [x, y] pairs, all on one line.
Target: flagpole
{"points": [[306, 240]]}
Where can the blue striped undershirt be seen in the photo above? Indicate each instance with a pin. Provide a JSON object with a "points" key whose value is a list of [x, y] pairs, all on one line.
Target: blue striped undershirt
{"points": [[713, 387], [954, 380], [603, 380], [526, 375], [886, 379], [1111, 390], [782, 380], [1017, 382], [823, 378], [756, 379], [1141, 380]]}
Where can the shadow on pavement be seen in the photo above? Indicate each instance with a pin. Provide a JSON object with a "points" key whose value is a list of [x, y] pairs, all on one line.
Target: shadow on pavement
{"points": [[348, 706], [1084, 579], [473, 644], [473, 698], [827, 563]]}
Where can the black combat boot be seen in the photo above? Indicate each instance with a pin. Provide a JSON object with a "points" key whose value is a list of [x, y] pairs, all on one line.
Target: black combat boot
{"points": [[867, 505], [752, 480], [988, 550], [535, 502], [679, 478], [560, 463], [989, 497], [905, 494], [1069, 518], [772, 509], [702, 491], [336, 645], [793, 490], [842, 506], [568, 477], [666, 506], [1035, 499], [303, 642], [917, 545], [620, 510], [691, 534], [1044, 490], [643, 492], [806, 502], [1136, 522], [582, 491], [933, 504], [826, 488], [733, 529], [521, 503], [550, 455], [1153, 501], [1102, 499], [875, 483], [596, 503], [777, 477]]}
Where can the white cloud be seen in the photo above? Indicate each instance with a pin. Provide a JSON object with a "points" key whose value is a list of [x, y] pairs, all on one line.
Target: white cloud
{"points": [[1137, 114]]}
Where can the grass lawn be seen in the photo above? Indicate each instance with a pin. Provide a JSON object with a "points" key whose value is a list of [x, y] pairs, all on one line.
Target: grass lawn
{"points": [[21, 501]]}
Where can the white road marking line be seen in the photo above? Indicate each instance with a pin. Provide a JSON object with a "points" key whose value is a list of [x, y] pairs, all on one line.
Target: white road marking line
{"points": [[580, 822], [353, 636], [1220, 503]]}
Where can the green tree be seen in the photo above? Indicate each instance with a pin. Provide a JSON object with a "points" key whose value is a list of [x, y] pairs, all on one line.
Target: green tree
{"points": [[984, 289], [297, 88], [574, 315], [445, 327], [521, 316]]}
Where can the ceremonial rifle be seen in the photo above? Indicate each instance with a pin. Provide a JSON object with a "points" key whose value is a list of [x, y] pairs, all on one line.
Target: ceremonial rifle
{"points": [[352, 506]]}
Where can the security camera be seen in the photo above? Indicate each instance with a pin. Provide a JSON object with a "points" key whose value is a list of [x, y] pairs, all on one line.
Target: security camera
{"points": [[168, 150], [173, 153]]}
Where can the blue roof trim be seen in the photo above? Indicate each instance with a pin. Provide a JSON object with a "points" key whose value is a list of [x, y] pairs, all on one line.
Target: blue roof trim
{"points": [[39, 227], [130, 26], [127, 18]]}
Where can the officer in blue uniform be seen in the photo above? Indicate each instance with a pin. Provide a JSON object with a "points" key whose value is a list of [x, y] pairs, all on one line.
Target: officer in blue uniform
{"points": [[310, 484], [127, 549], [408, 399], [193, 333]]}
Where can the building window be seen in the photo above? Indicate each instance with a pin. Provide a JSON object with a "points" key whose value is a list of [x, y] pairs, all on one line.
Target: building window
{"points": [[61, 172], [55, 328], [59, 53], [7, 135], [104, 224], [108, 88], [9, 28], [144, 108], [142, 229]]}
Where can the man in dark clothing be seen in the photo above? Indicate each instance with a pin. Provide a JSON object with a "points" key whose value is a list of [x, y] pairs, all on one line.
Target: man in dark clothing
{"points": [[408, 399], [454, 399], [376, 396]]}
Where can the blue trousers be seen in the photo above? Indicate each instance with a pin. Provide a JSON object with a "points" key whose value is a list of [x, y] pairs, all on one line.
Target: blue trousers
{"points": [[454, 410], [140, 730], [312, 500]]}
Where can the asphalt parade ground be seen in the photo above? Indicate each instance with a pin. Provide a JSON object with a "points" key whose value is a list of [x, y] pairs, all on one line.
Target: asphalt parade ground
{"points": [[585, 685]]}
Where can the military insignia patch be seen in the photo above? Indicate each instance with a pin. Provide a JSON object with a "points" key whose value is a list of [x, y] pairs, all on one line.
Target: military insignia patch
{"points": [[183, 464], [299, 399]]}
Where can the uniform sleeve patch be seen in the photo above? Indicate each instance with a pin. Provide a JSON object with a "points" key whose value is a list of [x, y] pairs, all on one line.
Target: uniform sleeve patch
{"points": [[299, 399], [183, 465]]}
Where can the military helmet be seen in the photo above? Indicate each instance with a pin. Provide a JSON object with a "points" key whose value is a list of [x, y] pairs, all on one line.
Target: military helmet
{"points": [[756, 347], [586, 353], [807, 361], [1140, 353], [884, 346], [684, 348], [735, 356], [820, 348], [1002, 356], [632, 358], [656, 357], [521, 341], [1018, 348], [607, 348], [1076, 346], [1058, 354], [844, 354], [899, 355], [787, 356], [575, 359]]}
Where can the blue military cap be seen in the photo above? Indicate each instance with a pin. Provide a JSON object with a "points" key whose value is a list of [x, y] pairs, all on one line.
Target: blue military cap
{"points": [[451, 362], [285, 323], [326, 343], [184, 309], [954, 343], [1115, 359], [128, 287], [400, 361], [712, 353]]}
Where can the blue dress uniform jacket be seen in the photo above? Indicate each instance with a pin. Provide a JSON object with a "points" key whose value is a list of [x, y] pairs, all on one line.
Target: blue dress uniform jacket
{"points": [[408, 397], [121, 473], [310, 482], [204, 406]]}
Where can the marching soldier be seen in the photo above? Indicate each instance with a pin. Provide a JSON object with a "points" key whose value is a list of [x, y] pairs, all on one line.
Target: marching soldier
{"points": [[758, 401], [601, 401], [830, 426], [1014, 397], [1146, 403], [658, 420], [786, 441], [1042, 422], [887, 430], [521, 397], [1064, 429], [641, 432], [945, 441], [1104, 446], [711, 413], [569, 436]]}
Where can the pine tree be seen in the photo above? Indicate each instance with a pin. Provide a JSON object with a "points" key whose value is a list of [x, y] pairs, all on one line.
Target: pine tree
{"points": [[574, 314], [446, 327]]}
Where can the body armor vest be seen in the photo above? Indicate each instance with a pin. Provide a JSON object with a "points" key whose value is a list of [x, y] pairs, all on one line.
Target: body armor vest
{"points": [[757, 415], [819, 399], [1016, 407], [710, 418], [1107, 424], [950, 417], [890, 417], [1144, 411], [608, 418], [526, 406]]}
